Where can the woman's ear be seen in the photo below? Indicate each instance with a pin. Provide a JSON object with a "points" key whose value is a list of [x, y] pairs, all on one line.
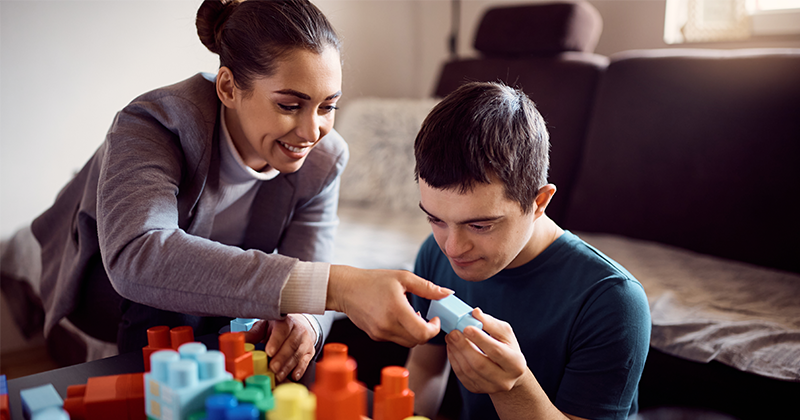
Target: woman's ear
{"points": [[226, 88], [543, 198]]}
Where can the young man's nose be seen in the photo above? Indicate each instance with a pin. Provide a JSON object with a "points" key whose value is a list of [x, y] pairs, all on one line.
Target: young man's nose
{"points": [[456, 244]]}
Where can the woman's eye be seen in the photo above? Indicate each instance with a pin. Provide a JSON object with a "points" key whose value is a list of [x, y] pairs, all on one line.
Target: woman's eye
{"points": [[328, 108], [289, 107]]}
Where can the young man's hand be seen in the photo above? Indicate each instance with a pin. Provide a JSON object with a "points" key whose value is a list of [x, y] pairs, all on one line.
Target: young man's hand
{"points": [[487, 361], [289, 344], [375, 300]]}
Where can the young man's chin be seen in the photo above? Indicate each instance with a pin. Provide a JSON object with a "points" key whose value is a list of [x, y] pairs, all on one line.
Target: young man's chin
{"points": [[471, 272]]}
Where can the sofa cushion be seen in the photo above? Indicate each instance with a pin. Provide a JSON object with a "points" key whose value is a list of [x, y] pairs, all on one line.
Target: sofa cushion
{"points": [[705, 308], [697, 149], [539, 28]]}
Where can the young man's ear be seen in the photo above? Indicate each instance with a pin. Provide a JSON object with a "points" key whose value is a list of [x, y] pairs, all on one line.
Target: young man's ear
{"points": [[226, 88], [543, 198]]}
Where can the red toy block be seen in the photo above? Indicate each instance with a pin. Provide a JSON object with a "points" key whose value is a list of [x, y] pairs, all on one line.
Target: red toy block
{"points": [[393, 400], [5, 413], [76, 390], [164, 338], [180, 336], [74, 404], [136, 397], [237, 361], [332, 351], [107, 397], [339, 395]]}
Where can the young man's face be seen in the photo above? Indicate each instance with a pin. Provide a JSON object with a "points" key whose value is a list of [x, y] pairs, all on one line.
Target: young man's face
{"points": [[481, 231]]}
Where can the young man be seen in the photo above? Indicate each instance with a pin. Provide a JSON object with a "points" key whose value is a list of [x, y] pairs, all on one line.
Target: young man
{"points": [[581, 322]]}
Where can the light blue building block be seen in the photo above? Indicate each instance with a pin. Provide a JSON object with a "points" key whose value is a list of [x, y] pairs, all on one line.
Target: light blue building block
{"points": [[52, 413], [242, 324], [454, 314], [38, 400], [179, 382]]}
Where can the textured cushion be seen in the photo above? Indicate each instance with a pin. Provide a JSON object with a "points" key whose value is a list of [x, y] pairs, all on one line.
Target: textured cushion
{"points": [[697, 149], [380, 134], [706, 308], [540, 28]]}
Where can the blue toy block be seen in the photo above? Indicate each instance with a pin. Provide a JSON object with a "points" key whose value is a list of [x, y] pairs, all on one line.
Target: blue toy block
{"points": [[38, 400], [242, 412], [217, 405], [52, 413], [454, 314], [242, 324], [179, 382]]}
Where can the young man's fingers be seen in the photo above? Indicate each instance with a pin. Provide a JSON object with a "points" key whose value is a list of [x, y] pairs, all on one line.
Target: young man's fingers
{"points": [[500, 330], [496, 351]]}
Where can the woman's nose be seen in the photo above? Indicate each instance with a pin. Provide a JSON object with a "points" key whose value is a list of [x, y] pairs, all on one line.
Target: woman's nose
{"points": [[309, 128]]}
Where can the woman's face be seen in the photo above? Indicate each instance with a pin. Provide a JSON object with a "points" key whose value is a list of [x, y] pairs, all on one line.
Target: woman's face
{"points": [[285, 115]]}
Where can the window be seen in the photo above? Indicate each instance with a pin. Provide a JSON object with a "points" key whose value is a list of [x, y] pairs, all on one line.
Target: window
{"points": [[729, 20]]}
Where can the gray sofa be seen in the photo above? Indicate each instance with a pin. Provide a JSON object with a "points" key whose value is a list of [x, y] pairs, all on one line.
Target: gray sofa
{"points": [[681, 164]]}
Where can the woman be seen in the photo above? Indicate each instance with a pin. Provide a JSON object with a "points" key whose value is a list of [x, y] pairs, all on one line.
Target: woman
{"points": [[217, 196]]}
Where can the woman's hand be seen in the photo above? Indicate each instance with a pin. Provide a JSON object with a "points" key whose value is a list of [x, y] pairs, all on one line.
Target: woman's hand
{"points": [[289, 344], [487, 361], [376, 302]]}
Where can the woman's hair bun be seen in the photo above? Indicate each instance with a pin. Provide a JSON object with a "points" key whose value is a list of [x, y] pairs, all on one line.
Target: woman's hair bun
{"points": [[211, 17]]}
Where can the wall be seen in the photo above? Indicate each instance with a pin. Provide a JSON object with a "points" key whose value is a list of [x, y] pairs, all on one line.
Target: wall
{"points": [[66, 67]]}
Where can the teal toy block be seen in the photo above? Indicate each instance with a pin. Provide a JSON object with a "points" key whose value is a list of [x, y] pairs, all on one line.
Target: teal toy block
{"points": [[454, 314], [179, 382], [37, 402], [52, 413], [242, 324]]}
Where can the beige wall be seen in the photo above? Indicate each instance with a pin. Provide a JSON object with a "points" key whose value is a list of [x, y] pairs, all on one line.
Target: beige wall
{"points": [[66, 67]]}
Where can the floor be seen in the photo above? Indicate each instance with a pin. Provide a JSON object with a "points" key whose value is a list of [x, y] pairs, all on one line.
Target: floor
{"points": [[18, 363]]}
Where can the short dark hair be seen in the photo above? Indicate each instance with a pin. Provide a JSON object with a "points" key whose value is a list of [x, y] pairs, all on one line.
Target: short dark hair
{"points": [[252, 36], [481, 130]]}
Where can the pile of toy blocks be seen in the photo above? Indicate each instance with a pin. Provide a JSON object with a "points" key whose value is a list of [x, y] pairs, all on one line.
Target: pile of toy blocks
{"points": [[186, 381]]}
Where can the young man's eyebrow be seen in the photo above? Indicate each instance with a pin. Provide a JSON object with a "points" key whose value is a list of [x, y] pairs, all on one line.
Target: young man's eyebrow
{"points": [[302, 95], [464, 222]]}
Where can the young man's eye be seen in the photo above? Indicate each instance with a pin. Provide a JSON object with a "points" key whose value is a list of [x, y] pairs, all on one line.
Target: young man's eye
{"points": [[289, 107], [434, 220], [480, 228]]}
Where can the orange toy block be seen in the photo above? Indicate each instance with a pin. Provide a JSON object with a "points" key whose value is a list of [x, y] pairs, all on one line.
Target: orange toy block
{"points": [[5, 412], [393, 400], [332, 351], [237, 361], [107, 397], [163, 338], [339, 395]]}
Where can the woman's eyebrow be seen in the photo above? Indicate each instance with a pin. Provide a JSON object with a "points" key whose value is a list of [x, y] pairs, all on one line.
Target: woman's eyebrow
{"points": [[303, 96]]}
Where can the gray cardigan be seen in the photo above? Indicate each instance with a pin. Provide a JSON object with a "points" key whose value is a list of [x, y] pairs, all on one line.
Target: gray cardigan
{"points": [[145, 202]]}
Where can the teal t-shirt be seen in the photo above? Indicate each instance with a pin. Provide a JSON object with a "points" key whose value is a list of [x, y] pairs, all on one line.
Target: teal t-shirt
{"points": [[582, 321]]}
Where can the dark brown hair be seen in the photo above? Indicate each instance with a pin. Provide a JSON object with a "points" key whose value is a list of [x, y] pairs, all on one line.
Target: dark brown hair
{"points": [[252, 36], [483, 130]]}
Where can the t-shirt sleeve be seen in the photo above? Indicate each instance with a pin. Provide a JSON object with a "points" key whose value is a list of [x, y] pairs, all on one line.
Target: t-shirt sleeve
{"points": [[607, 354]]}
